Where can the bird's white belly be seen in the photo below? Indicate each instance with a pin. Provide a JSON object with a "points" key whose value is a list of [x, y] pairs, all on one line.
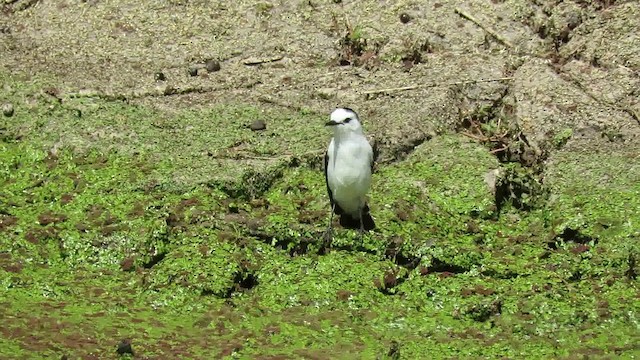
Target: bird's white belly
{"points": [[349, 182]]}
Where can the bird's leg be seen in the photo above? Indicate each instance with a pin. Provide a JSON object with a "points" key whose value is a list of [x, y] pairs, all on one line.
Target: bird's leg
{"points": [[361, 224], [328, 234]]}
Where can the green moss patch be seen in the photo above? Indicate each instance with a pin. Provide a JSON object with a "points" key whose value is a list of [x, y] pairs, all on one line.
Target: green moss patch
{"points": [[169, 247]]}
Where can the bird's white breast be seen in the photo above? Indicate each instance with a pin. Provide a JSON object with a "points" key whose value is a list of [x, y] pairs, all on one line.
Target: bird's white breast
{"points": [[349, 172]]}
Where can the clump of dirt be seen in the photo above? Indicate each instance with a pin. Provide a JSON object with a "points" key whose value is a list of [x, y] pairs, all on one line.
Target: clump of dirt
{"points": [[6, 221], [495, 127], [520, 186], [390, 280], [355, 50], [415, 52], [482, 311], [519, 180]]}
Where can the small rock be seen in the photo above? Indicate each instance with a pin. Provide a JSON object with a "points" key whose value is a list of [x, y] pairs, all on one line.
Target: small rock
{"points": [[159, 76], [124, 347], [127, 264], [7, 109], [212, 65], [258, 125], [405, 18], [193, 70], [407, 64], [573, 20], [491, 179]]}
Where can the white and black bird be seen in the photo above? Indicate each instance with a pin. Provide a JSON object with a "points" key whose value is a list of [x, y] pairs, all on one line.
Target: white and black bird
{"points": [[348, 164]]}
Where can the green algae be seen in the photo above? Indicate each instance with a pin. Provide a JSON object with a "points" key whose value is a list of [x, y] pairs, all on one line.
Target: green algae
{"points": [[355, 300], [102, 241], [598, 193]]}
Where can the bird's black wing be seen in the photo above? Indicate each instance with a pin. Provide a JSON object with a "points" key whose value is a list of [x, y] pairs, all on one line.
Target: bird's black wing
{"points": [[338, 210], [376, 153]]}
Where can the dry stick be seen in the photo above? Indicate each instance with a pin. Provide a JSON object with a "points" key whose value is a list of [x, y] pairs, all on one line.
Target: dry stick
{"points": [[166, 91], [254, 61], [479, 138], [239, 156], [498, 150], [486, 28], [413, 87]]}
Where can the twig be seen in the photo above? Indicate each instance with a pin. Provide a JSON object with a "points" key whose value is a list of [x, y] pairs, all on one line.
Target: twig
{"points": [[426, 86], [247, 157], [498, 150], [486, 28], [475, 126], [240, 156], [255, 61], [162, 91], [397, 89], [479, 138], [96, 94], [166, 91]]}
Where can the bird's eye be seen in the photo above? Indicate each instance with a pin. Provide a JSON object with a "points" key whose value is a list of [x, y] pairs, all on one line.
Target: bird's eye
{"points": [[347, 120]]}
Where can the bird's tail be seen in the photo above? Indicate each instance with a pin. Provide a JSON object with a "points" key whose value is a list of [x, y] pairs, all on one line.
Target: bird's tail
{"points": [[349, 222]]}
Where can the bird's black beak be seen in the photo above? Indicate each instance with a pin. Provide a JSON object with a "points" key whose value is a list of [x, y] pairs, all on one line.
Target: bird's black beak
{"points": [[331, 123]]}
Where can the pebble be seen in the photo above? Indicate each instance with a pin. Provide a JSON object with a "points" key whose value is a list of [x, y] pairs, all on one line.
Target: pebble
{"points": [[573, 20], [159, 76], [212, 65], [405, 18], [491, 179], [193, 70], [7, 109], [258, 125]]}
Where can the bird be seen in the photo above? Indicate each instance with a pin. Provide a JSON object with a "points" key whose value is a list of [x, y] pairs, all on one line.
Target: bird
{"points": [[348, 165]]}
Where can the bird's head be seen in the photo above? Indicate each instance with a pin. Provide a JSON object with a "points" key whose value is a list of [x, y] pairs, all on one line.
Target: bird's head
{"points": [[343, 121]]}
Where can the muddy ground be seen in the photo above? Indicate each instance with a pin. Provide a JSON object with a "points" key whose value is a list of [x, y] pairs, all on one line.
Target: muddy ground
{"points": [[146, 212]]}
